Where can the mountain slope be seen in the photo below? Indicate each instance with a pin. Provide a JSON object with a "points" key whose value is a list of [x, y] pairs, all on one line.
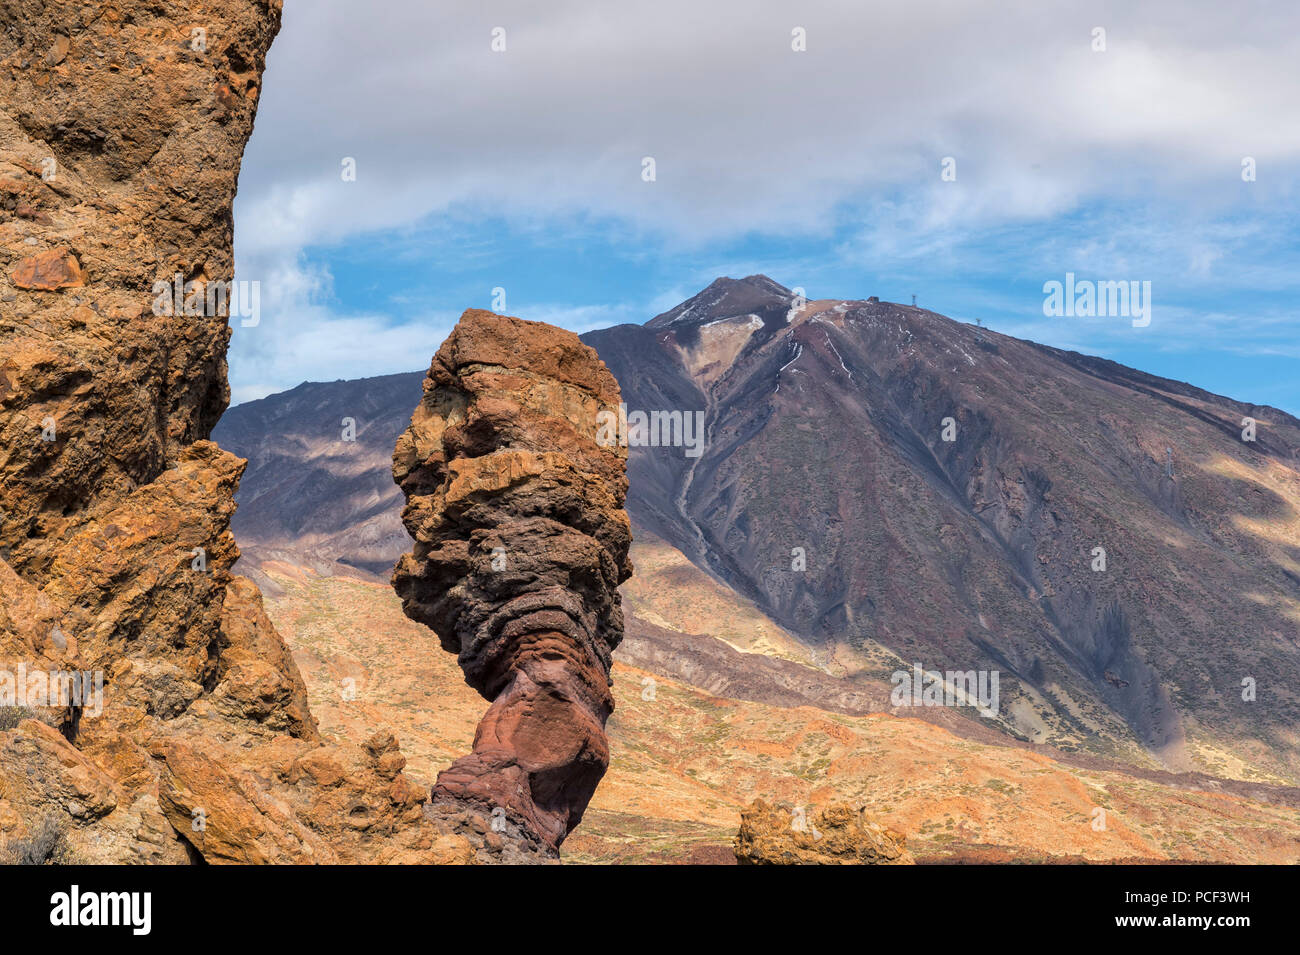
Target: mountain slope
{"points": [[308, 489], [685, 761], [825, 429]]}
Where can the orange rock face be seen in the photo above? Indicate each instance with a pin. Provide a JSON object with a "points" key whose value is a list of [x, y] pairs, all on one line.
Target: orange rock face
{"points": [[830, 835], [115, 548], [521, 541], [49, 271]]}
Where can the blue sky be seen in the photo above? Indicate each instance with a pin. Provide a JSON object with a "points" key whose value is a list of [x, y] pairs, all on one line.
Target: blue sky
{"points": [[821, 168]]}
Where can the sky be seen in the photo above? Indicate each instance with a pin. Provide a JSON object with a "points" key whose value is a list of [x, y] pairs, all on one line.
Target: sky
{"points": [[963, 152]]}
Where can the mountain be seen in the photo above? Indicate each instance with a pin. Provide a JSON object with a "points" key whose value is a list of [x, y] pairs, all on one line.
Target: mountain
{"points": [[824, 450], [318, 482], [825, 427]]}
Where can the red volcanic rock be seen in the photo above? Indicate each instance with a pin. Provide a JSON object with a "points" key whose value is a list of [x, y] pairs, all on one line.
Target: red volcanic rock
{"points": [[521, 543], [49, 271]]}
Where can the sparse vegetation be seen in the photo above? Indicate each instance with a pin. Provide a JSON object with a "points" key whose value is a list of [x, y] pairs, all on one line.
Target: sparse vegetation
{"points": [[11, 716], [46, 843]]}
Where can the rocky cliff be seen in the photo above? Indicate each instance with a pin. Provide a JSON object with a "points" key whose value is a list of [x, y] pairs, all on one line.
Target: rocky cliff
{"points": [[521, 542], [122, 126]]}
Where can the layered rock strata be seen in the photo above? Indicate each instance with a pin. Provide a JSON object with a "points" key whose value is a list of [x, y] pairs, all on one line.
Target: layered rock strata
{"points": [[521, 542]]}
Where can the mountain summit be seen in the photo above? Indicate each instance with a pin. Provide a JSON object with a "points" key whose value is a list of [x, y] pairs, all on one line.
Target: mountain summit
{"points": [[897, 487], [727, 298]]}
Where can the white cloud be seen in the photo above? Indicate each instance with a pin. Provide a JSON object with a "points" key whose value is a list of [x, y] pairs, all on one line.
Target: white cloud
{"points": [[301, 338], [747, 134]]}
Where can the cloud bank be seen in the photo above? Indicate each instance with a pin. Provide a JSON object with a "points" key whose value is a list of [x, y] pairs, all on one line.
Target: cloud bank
{"points": [[841, 145]]}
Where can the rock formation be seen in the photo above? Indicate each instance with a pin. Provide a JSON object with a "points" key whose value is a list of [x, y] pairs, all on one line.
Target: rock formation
{"points": [[521, 542], [121, 131], [836, 834]]}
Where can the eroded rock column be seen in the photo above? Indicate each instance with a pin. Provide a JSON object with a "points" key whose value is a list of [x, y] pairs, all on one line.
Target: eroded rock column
{"points": [[521, 542]]}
